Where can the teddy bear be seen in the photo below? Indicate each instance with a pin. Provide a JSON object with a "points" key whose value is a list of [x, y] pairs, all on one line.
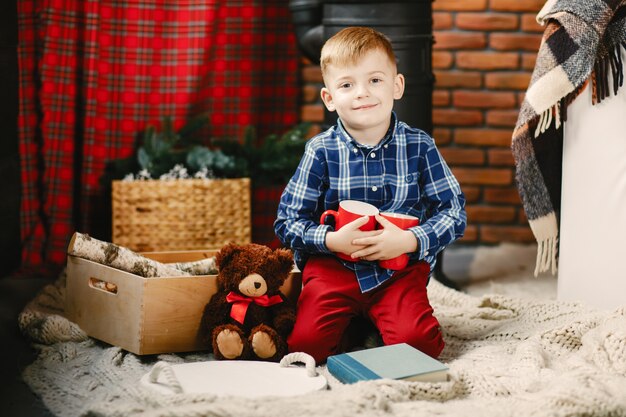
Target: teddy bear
{"points": [[248, 317]]}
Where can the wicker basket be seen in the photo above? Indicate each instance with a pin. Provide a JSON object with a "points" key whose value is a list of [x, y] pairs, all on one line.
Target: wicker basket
{"points": [[186, 214]]}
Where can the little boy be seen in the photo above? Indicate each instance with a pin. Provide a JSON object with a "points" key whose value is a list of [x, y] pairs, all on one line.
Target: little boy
{"points": [[372, 157]]}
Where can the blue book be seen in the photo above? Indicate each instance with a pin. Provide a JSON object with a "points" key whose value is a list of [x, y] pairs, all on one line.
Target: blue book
{"points": [[399, 361]]}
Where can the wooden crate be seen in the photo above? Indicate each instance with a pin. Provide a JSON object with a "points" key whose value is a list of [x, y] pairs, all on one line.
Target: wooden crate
{"points": [[145, 315], [155, 215]]}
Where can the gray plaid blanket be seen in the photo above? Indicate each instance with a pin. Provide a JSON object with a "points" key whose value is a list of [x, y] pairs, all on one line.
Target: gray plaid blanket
{"points": [[581, 46]]}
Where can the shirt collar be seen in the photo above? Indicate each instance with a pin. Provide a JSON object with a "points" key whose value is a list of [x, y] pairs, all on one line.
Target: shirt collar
{"points": [[353, 144]]}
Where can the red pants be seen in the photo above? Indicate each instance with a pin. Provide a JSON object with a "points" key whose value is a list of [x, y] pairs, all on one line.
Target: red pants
{"points": [[331, 297]]}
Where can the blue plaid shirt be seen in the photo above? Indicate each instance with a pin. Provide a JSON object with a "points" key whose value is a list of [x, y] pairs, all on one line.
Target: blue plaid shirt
{"points": [[403, 173]]}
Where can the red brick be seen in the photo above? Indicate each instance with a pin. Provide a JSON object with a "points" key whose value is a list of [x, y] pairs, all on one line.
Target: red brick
{"points": [[490, 214], [470, 235], [441, 98], [442, 20], [483, 99], [463, 156], [500, 157], [312, 74], [483, 176], [486, 21], [502, 196], [502, 118], [312, 113], [520, 98], [507, 80], [528, 61], [472, 193], [497, 234], [514, 41], [451, 117], [487, 60], [458, 5], [442, 136], [529, 23], [521, 217], [459, 40], [516, 5], [310, 93], [483, 137], [455, 79], [442, 59]]}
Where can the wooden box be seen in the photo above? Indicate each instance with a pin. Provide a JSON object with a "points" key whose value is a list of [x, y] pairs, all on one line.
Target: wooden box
{"points": [[145, 315]]}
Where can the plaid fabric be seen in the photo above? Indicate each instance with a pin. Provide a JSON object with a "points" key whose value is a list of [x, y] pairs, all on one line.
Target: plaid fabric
{"points": [[264, 206], [93, 74], [404, 173], [582, 41]]}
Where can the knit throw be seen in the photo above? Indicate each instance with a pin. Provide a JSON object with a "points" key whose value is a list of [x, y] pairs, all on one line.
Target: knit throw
{"points": [[508, 356], [581, 45]]}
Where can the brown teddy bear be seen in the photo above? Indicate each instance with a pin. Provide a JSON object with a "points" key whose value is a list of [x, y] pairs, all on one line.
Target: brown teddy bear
{"points": [[248, 317]]}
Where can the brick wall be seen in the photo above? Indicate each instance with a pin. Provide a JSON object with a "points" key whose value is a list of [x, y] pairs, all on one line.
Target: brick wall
{"points": [[483, 57]]}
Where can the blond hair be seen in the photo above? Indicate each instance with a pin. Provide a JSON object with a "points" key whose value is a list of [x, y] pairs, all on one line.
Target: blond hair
{"points": [[350, 44]]}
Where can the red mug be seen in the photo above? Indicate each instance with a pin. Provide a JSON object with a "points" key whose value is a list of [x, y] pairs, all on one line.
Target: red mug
{"points": [[403, 221], [349, 211]]}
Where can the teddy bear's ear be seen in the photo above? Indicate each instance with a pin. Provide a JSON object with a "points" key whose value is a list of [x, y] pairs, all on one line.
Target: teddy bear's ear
{"points": [[285, 260], [225, 254]]}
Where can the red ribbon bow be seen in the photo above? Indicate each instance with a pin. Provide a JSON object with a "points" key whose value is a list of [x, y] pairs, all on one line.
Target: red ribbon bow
{"points": [[241, 303]]}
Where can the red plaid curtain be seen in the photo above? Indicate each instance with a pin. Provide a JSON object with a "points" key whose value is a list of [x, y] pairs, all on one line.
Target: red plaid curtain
{"points": [[94, 73]]}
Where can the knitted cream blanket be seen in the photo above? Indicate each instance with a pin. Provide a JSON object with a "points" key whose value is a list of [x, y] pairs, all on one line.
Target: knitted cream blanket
{"points": [[508, 356]]}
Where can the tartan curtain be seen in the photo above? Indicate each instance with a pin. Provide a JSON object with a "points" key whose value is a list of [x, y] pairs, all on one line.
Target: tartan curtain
{"points": [[94, 73]]}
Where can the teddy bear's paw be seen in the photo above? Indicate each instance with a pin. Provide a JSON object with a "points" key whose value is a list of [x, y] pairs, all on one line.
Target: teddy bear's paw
{"points": [[263, 345], [230, 344]]}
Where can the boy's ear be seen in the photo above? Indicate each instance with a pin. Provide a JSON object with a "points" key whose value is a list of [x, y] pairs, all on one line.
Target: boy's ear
{"points": [[327, 98], [398, 86]]}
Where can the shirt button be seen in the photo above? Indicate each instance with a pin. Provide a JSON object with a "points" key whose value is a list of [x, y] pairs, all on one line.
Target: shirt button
{"points": [[373, 155], [355, 150], [386, 146], [426, 253], [374, 188]]}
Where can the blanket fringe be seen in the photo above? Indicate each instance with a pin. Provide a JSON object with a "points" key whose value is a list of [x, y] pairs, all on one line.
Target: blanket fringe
{"points": [[545, 230], [610, 64], [568, 99], [546, 256], [545, 119]]}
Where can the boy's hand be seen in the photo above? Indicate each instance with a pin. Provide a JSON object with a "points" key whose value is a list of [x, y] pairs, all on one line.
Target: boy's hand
{"points": [[389, 243], [342, 240]]}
